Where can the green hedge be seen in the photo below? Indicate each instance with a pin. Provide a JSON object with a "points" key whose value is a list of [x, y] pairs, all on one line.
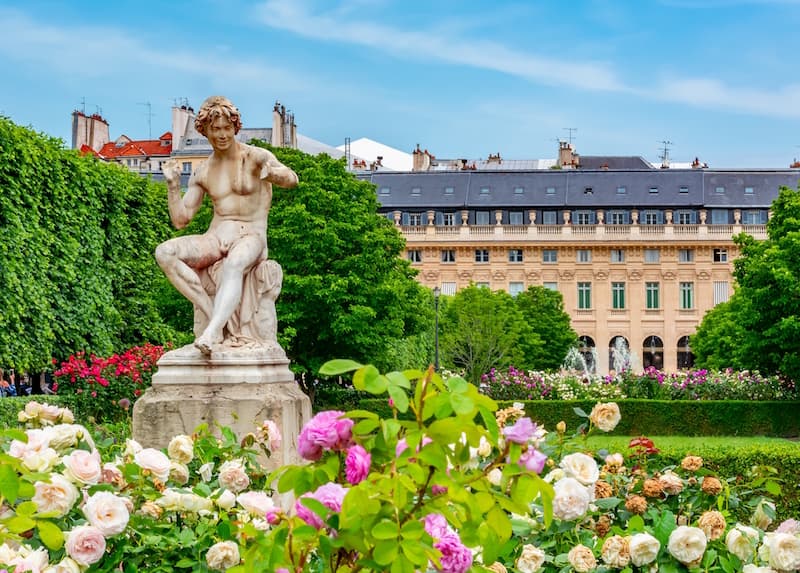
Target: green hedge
{"points": [[666, 417]]}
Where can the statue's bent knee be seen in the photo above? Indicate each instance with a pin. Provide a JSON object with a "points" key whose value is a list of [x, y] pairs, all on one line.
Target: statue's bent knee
{"points": [[166, 253]]}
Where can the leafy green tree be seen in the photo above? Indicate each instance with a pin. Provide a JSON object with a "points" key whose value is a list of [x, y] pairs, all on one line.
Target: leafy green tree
{"points": [[480, 330], [551, 332], [759, 328]]}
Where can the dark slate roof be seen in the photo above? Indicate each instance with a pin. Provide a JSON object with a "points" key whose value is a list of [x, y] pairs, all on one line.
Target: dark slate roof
{"points": [[579, 188], [613, 162]]}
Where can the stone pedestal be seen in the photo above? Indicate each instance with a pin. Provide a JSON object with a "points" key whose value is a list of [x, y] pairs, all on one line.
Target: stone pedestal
{"points": [[234, 387]]}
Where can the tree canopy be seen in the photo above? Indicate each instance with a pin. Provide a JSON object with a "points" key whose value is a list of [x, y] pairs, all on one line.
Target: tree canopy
{"points": [[76, 243], [759, 328]]}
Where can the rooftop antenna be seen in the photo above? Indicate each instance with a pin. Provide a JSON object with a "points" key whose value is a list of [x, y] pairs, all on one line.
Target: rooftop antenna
{"points": [[570, 130], [149, 118], [83, 105], [347, 152], [665, 153]]}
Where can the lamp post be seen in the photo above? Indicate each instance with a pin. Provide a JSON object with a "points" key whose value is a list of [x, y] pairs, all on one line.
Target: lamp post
{"points": [[436, 292]]}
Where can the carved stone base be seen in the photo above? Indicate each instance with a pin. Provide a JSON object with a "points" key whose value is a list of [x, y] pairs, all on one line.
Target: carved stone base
{"points": [[237, 388]]}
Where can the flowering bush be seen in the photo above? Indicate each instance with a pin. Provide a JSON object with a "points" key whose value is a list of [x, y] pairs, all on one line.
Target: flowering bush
{"points": [[651, 383], [117, 380], [460, 486]]}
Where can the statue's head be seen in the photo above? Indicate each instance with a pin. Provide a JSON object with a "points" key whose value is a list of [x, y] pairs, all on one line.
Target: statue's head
{"points": [[214, 107]]}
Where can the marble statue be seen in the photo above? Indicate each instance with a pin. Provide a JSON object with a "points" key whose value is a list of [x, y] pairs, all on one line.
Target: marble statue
{"points": [[225, 272]]}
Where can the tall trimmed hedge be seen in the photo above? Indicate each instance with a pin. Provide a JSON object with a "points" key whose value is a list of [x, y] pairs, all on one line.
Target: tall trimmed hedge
{"points": [[77, 236]]}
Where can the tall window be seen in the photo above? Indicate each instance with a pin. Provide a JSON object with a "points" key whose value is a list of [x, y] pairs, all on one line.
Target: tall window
{"points": [[584, 255], [448, 256], [719, 216], [617, 218], [515, 218], [721, 292], [720, 255], [685, 217], [618, 295], [481, 255], [514, 288], [449, 219], [415, 219], [685, 255], [549, 217], [685, 356], [651, 294], [617, 255], [482, 217], [651, 218], [187, 166], [687, 295], [514, 255], [550, 285], [549, 256], [583, 217], [652, 255], [449, 288], [415, 256], [584, 296]]}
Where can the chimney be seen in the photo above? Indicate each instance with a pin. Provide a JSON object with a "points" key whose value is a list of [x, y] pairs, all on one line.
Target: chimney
{"points": [[566, 155], [181, 117], [89, 130], [422, 160]]}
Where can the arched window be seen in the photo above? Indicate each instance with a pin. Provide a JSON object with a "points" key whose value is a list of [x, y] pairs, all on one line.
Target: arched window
{"points": [[586, 347], [619, 354], [653, 352], [685, 356]]}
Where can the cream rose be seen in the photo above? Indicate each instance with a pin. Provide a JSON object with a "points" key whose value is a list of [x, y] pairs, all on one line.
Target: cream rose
{"points": [[713, 524], [107, 512], [112, 474], [132, 447], [582, 559], [495, 476], [687, 544], [643, 548], [255, 502], [571, 499], [85, 544], [66, 565], [742, 541], [784, 551], [28, 560], [671, 483], [750, 568], [7, 553], [64, 436], [83, 467], [226, 500], [233, 476], [223, 555], [581, 467], [206, 471], [42, 461], [761, 518], [38, 441], [48, 413], [58, 496], [181, 449], [616, 552], [170, 500], [605, 416], [179, 473], [530, 560], [154, 461]]}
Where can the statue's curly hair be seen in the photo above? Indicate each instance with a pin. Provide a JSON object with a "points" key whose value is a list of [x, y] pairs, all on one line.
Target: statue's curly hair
{"points": [[214, 107]]}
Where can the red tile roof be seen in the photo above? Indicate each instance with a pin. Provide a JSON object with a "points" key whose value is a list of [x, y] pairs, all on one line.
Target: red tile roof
{"points": [[142, 148]]}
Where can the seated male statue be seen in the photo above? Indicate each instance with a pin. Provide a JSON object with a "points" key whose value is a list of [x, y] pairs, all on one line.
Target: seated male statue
{"points": [[212, 270]]}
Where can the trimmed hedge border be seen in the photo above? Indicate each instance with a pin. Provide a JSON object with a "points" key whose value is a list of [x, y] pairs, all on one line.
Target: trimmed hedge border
{"points": [[665, 417]]}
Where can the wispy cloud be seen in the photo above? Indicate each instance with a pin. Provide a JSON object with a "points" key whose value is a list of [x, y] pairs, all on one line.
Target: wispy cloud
{"points": [[339, 24]]}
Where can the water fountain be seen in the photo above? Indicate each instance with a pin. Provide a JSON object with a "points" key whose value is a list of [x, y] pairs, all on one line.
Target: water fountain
{"points": [[582, 360], [620, 356]]}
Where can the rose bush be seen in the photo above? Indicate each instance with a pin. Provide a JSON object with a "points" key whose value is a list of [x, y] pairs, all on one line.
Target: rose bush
{"points": [[460, 486]]}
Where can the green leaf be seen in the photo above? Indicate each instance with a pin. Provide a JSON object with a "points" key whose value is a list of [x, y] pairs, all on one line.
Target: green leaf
{"points": [[338, 367], [608, 502], [579, 412], [185, 563], [27, 508], [415, 551], [399, 380], [385, 552], [385, 529], [636, 524], [9, 483], [412, 530], [772, 488], [50, 534], [399, 397], [20, 524], [366, 426], [402, 565], [462, 404]]}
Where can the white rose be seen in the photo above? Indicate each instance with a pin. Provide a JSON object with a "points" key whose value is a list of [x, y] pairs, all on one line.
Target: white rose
{"points": [[615, 459], [687, 544], [741, 541], [760, 518], [233, 476], [49, 413], [64, 436], [181, 449], [643, 548], [206, 471], [495, 477], [178, 473], [27, 560], [571, 499], [7, 554], [107, 512], [223, 555], [255, 502], [38, 441], [582, 559], [616, 552], [554, 475], [41, 462], [581, 467], [170, 500], [530, 560], [57, 496], [226, 500], [155, 461], [484, 448], [83, 467], [132, 447], [66, 565], [784, 551], [671, 483], [750, 568], [605, 416], [195, 503]]}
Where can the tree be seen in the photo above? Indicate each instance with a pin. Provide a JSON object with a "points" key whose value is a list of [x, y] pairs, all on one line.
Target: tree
{"points": [[551, 332], [760, 328], [481, 330]]}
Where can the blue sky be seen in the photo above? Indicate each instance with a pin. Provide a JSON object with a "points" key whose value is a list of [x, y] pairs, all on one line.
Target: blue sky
{"points": [[719, 79]]}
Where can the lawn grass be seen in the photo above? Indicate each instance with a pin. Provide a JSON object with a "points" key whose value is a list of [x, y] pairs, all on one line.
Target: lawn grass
{"points": [[689, 443]]}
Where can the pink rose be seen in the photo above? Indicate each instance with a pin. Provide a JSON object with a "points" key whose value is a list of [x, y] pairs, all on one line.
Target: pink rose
{"points": [[326, 431], [83, 467], [85, 544], [456, 557], [257, 503], [522, 431], [331, 495], [357, 464], [270, 434], [107, 512], [155, 461], [233, 476], [436, 525], [532, 460]]}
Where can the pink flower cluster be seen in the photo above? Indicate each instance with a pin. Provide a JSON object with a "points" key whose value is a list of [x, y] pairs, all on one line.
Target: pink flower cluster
{"points": [[356, 464], [456, 557], [325, 432], [521, 432], [331, 495]]}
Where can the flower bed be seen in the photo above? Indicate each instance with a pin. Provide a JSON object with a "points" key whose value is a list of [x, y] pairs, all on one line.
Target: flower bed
{"points": [[459, 486]]}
